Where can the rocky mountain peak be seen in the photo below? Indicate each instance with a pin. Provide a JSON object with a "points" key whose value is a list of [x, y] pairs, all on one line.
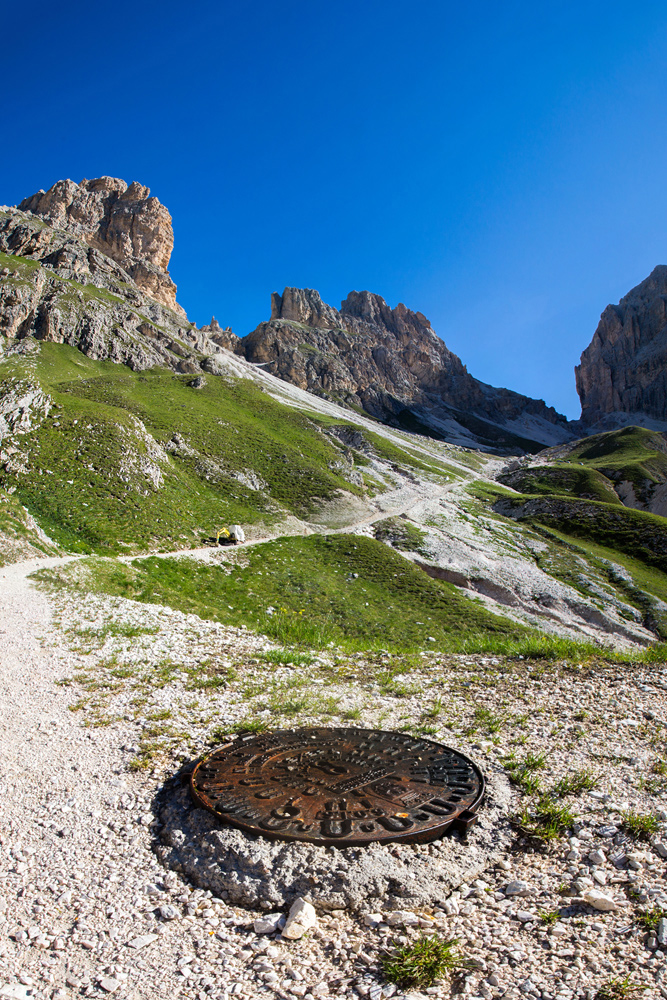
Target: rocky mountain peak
{"points": [[304, 305], [121, 220], [372, 308], [390, 363], [622, 378]]}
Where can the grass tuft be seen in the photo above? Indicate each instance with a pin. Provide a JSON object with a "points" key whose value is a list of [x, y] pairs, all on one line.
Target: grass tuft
{"points": [[288, 657], [546, 820], [574, 784], [641, 826], [651, 918], [522, 772], [619, 989], [421, 964]]}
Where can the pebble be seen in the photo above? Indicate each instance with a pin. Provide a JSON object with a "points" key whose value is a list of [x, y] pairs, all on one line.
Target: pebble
{"points": [[519, 888], [599, 900], [268, 923], [402, 918], [142, 941], [110, 985], [301, 918]]}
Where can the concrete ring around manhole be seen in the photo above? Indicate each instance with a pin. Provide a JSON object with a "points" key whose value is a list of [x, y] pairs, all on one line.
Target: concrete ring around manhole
{"points": [[246, 868]]}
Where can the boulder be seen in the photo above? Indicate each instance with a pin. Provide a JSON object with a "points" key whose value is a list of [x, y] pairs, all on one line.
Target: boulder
{"points": [[122, 221]]}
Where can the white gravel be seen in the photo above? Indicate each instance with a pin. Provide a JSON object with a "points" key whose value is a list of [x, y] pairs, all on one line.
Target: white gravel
{"points": [[86, 908]]}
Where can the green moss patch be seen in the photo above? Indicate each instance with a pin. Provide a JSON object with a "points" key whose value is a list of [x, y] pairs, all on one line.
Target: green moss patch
{"points": [[400, 533]]}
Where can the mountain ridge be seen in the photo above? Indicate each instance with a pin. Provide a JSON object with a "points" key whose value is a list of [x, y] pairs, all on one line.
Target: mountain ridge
{"points": [[392, 364], [622, 375], [87, 265], [104, 236], [124, 428]]}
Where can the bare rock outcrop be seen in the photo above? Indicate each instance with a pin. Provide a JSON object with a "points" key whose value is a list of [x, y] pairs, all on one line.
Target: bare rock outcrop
{"points": [[56, 286], [391, 363], [122, 221], [622, 378], [222, 336], [86, 265]]}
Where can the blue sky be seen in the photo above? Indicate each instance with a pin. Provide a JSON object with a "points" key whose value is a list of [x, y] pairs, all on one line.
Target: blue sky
{"points": [[498, 166]]}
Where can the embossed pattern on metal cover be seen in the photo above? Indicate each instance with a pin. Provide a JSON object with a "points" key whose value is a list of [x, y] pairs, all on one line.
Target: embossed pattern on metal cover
{"points": [[339, 786]]}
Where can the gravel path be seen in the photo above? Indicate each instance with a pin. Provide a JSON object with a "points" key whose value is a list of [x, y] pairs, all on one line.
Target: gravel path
{"points": [[86, 907]]}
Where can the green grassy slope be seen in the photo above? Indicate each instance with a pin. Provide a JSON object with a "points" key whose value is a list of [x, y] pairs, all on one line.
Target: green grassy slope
{"points": [[596, 548], [592, 467], [574, 493], [563, 480], [635, 532], [309, 583], [632, 453], [19, 538], [637, 582], [104, 472]]}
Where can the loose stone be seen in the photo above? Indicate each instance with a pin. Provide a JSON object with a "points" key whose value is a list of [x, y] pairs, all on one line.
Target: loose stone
{"points": [[599, 900], [301, 918]]}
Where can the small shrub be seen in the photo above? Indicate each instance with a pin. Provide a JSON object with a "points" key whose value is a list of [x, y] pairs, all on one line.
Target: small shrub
{"points": [[419, 965]]}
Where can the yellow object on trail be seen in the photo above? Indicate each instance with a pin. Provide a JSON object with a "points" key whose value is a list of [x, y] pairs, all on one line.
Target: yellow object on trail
{"points": [[230, 536]]}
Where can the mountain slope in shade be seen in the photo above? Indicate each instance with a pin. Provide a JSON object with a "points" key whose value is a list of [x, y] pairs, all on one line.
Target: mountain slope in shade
{"points": [[622, 378]]}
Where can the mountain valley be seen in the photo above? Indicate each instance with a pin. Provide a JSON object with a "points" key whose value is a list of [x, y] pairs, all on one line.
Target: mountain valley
{"points": [[423, 553]]}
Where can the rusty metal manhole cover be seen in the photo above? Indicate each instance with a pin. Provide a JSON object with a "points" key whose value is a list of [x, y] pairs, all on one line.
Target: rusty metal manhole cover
{"points": [[339, 786]]}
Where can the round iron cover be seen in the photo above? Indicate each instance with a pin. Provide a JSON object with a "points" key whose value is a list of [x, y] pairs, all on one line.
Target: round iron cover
{"points": [[339, 786]]}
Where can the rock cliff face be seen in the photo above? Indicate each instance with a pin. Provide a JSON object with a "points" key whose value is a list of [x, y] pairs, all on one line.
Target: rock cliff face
{"points": [[125, 223], [86, 265], [392, 364], [622, 378], [55, 285]]}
